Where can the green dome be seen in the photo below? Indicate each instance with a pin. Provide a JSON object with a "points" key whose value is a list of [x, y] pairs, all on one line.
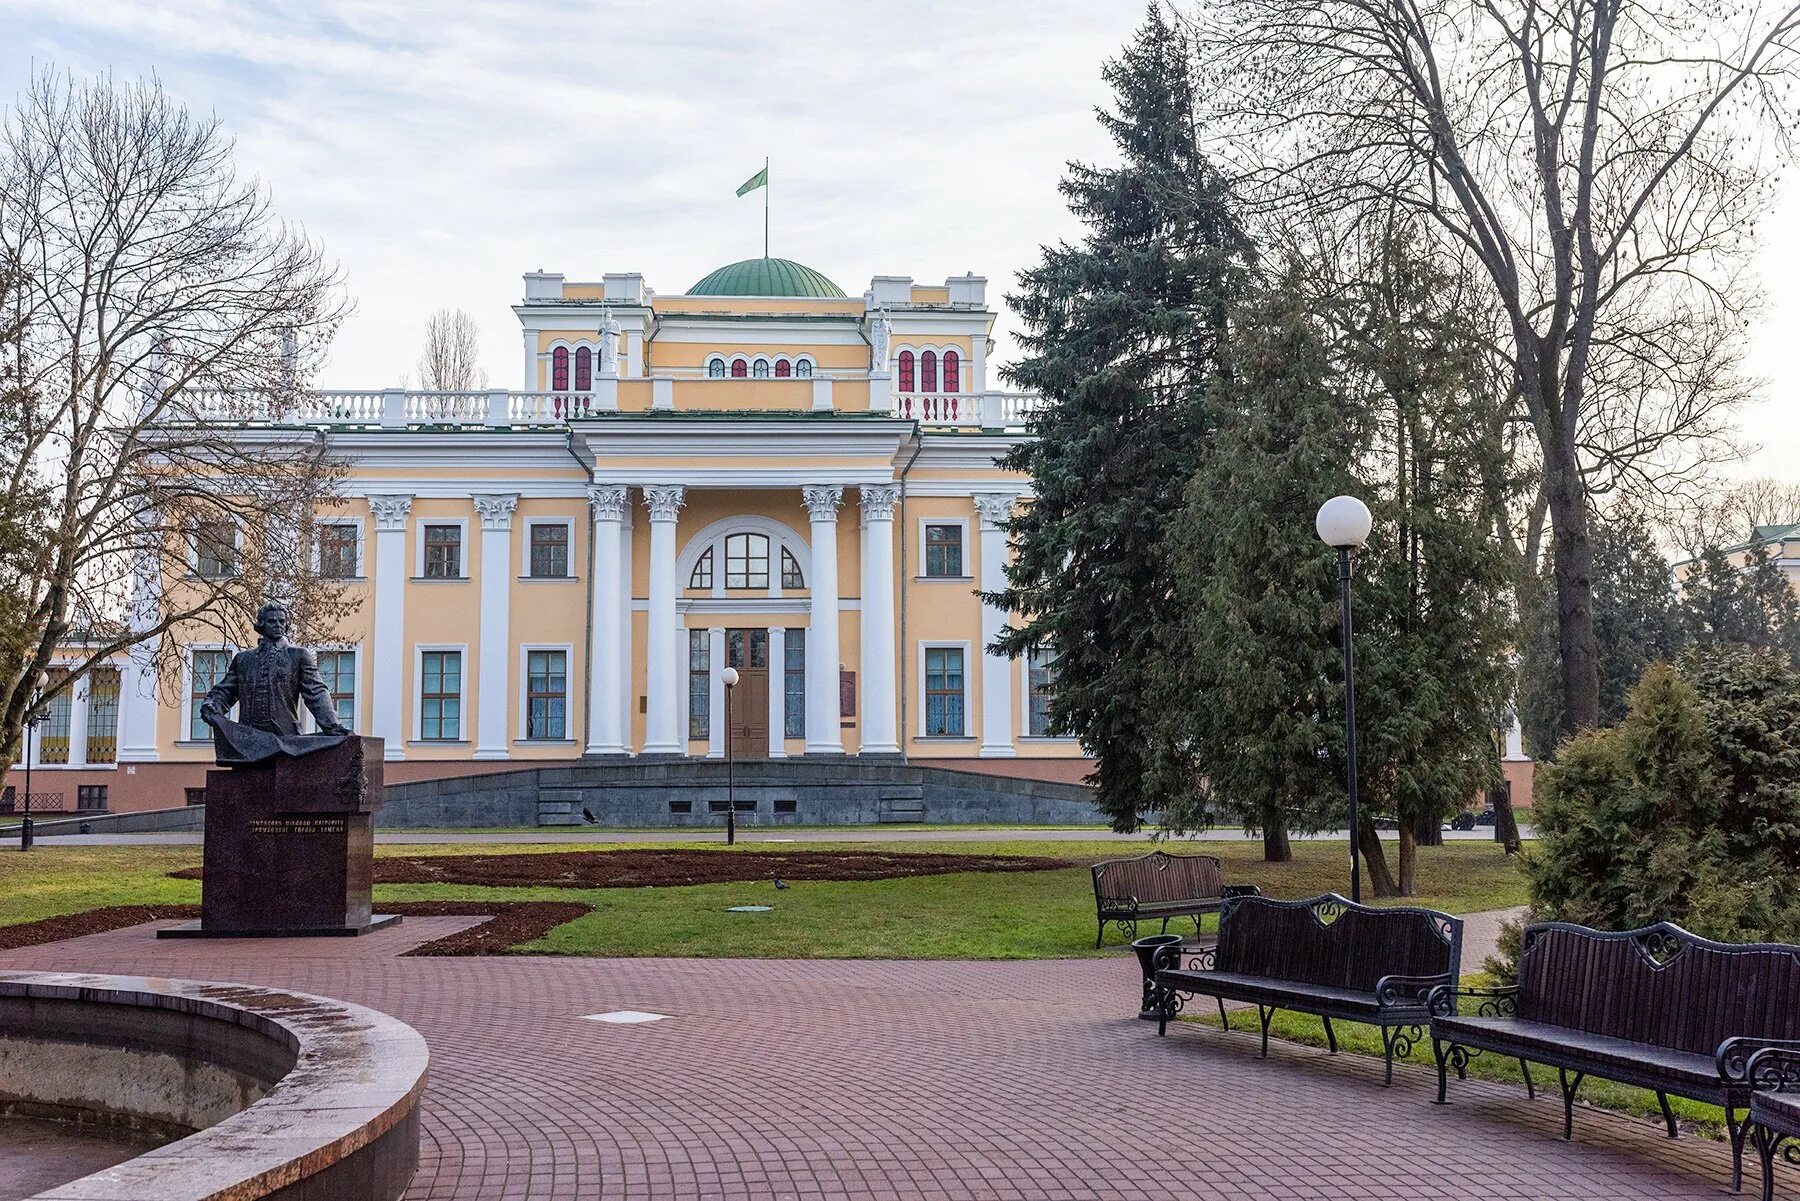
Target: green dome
{"points": [[765, 277]]}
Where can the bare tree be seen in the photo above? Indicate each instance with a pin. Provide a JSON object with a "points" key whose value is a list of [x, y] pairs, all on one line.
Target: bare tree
{"points": [[1729, 516], [145, 274], [1604, 162], [451, 360]]}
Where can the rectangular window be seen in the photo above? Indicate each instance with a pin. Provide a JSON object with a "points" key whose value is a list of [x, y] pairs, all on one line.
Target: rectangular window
{"points": [[53, 726], [793, 686], [208, 668], [338, 670], [746, 561], [337, 551], [944, 691], [90, 798], [944, 550], [440, 696], [215, 550], [1040, 679], [195, 796], [443, 552], [681, 806], [546, 694], [699, 684], [103, 715], [550, 551]]}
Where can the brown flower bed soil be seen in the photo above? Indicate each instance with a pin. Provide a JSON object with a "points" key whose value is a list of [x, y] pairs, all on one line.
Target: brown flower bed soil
{"points": [[510, 924], [664, 869]]}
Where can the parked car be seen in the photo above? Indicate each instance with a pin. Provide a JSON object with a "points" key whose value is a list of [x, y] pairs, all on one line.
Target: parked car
{"points": [[1464, 820], [1485, 818]]}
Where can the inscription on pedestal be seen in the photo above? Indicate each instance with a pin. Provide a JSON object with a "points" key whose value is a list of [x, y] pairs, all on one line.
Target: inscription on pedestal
{"points": [[298, 825]]}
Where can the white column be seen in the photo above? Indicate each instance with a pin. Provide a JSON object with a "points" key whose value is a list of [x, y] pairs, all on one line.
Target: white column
{"points": [[634, 353], [531, 361], [662, 731], [716, 731], [1515, 739], [824, 736], [388, 651], [880, 705], [78, 722], [494, 656], [996, 673], [627, 693], [606, 682], [975, 378], [777, 692], [137, 680]]}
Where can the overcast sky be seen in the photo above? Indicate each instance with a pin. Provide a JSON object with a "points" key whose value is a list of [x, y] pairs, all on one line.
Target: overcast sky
{"points": [[440, 150]]}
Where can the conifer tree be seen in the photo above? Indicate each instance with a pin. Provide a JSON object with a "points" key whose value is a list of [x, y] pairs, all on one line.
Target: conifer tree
{"points": [[1725, 603], [1122, 333]]}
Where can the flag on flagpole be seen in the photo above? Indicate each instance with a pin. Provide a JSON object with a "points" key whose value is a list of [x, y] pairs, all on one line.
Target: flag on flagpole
{"points": [[759, 180]]}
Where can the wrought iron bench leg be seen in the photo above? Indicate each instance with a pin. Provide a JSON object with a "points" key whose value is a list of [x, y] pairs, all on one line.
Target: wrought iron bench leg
{"points": [[1568, 1091], [1738, 1128], [1223, 1020], [1267, 1015], [1662, 1099], [1530, 1085], [1441, 1052], [1100, 934], [1331, 1035], [1767, 1143]]}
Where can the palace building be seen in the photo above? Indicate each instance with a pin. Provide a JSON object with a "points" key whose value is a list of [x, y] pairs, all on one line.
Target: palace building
{"points": [[760, 472]]}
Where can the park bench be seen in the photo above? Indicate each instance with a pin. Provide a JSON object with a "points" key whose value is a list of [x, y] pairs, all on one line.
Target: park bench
{"points": [[1159, 885], [1774, 1072], [1658, 1008], [1326, 956]]}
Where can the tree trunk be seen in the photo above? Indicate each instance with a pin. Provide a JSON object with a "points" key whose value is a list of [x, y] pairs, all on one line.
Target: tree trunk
{"points": [[1275, 836], [1409, 854], [1573, 573], [1428, 828], [1506, 823], [1375, 866]]}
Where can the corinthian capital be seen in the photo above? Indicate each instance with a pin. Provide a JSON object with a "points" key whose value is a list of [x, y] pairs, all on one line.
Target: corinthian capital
{"points": [[496, 509], [994, 508], [878, 502], [390, 511], [822, 501], [608, 501], [665, 501]]}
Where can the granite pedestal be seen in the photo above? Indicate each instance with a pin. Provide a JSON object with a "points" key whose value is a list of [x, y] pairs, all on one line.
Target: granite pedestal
{"points": [[290, 847]]}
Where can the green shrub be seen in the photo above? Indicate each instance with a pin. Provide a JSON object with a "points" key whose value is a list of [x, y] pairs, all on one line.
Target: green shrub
{"points": [[1687, 811]]}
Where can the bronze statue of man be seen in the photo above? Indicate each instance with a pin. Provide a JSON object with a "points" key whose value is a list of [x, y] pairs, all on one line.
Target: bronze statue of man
{"points": [[266, 684]]}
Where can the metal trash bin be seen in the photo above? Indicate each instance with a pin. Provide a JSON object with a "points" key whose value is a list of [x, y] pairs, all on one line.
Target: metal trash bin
{"points": [[1145, 949]]}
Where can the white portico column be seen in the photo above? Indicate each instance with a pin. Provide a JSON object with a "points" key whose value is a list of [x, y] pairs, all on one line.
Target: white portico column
{"points": [[662, 725], [824, 736], [389, 648], [996, 673], [606, 669], [880, 725], [531, 361], [778, 692], [494, 654], [137, 682]]}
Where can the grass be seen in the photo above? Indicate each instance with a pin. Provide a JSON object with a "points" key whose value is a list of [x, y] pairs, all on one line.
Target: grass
{"points": [[1023, 915], [1358, 1039]]}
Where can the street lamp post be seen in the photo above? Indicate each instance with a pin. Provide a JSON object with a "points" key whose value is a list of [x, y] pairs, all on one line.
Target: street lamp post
{"points": [[1343, 524], [730, 678], [25, 835]]}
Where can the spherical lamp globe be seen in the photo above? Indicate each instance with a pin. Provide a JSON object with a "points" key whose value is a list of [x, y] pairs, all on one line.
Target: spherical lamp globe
{"points": [[729, 676], [1343, 521]]}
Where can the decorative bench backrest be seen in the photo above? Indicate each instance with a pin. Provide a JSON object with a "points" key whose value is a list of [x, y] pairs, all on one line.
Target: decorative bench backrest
{"points": [[1159, 877], [1334, 943], [1659, 985]]}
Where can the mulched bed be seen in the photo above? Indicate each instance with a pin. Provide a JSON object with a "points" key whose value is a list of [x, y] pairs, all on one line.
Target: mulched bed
{"points": [[512, 923], [663, 869]]}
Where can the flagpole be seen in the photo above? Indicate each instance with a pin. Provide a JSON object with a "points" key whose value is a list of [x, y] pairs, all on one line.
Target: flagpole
{"points": [[765, 206]]}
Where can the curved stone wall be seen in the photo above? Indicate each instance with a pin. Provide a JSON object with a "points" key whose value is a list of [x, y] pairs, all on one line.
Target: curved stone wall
{"points": [[200, 1064]]}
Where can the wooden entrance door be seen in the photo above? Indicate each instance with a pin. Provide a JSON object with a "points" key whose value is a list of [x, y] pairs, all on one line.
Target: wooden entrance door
{"points": [[748, 728]]}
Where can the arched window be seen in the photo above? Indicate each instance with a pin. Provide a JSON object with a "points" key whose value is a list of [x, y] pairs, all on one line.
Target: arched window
{"points": [[803, 369], [559, 369], [715, 369], [952, 372], [747, 561], [761, 369], [584, 370], [783, 369], [702, 577], [906, 371], [790, 570], [928, 371], [739, 369]]}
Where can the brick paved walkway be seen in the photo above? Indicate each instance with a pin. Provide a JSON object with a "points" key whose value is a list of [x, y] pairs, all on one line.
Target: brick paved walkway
{"points": [[890, 1081]]}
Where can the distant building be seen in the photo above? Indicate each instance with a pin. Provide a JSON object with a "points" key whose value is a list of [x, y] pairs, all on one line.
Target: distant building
{"points": [[1780, 542]]}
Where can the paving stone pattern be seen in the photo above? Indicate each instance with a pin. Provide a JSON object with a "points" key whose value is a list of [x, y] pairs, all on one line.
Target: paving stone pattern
{"points": [[1011, 1081]]}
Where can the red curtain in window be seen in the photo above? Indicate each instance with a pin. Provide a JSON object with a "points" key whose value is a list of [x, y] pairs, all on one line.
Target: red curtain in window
{"points": [[928, 371], [739, 369], [584, 370], [906, 371], [783, 369], [952, 372], [559, 369]]}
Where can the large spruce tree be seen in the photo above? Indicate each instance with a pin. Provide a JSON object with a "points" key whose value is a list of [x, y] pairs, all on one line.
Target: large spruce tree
{"points": [[1122, 333]]}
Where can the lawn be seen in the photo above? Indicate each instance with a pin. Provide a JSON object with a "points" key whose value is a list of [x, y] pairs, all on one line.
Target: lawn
{"points": [[974, 915]]}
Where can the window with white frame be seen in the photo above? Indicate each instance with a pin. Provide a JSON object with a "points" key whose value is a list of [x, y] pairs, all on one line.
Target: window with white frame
{"points": [[53, 728], [944, 549], [945, 692], [703, 570], [803, 368], [215, 549], [715, 369], [546, 694], [793, 685], [443, 551], [205, 669], [338, 550], [548, 553], [440, 696], [103, 715], [746, 561], [1040, 681], [337, 668], [760, 369], [699, 683], [791, 576]]}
